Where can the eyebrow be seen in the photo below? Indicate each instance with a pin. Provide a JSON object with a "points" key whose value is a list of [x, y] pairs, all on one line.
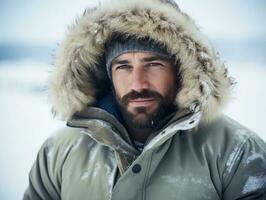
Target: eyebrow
{"points": [[146, 59], [153, 58], [119, 62]]}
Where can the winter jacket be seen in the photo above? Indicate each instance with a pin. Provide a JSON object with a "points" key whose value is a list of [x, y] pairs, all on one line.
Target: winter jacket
{"points": [[194, 153]]}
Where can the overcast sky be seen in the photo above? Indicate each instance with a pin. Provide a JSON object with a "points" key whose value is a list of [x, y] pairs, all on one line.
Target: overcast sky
{"points": [[46, 21]]}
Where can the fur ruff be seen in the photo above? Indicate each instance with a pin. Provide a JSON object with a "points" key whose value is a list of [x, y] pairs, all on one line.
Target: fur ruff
{"points": [[79, 77]]}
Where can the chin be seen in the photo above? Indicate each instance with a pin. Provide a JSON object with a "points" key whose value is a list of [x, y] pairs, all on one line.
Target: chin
{"points": [[142, 110], [142, 122]]}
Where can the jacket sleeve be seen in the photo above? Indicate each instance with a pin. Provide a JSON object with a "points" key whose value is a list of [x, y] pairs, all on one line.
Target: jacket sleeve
{"points": [[247, 176], [43, 179]]}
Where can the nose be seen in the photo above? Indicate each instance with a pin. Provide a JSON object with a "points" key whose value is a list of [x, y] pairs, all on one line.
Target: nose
{"points": [[139, 80]]}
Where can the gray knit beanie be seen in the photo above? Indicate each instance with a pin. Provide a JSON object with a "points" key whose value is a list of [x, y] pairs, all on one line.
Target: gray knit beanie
{"points": [[120, 45]]}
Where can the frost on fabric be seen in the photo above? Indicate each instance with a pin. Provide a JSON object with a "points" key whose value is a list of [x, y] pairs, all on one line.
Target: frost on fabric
{"points": [[103, 134], [97, 165], [50, 146], [242, 135], [183, 124], [254, 183], [101, 168], [110, 173], [231, 159], [190, 180], [91, 172], [255, 156]]}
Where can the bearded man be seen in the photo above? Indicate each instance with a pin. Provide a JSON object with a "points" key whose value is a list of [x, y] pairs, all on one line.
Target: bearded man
{"points": [[141, 90]]}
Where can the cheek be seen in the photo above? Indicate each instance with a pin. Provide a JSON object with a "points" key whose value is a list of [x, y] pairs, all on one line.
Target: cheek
{"points": [[119, 87], [163, 81]]}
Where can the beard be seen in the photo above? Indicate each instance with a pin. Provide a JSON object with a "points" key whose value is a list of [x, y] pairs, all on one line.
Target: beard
{"points": [[142, 117]]}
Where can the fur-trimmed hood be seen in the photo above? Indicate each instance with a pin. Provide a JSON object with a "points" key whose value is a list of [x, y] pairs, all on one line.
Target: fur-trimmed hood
{"points": [[79, 77]]}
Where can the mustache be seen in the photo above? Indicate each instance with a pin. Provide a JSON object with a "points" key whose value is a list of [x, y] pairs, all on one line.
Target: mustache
{"points": [[142, 94]]}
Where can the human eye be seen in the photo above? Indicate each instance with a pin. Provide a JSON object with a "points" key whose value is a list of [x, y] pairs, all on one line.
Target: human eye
{"points": [[122, 67], [154, 64]]}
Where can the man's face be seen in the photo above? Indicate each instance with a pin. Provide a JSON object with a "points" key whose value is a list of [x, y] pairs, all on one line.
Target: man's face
{"points": [[145, 87]]}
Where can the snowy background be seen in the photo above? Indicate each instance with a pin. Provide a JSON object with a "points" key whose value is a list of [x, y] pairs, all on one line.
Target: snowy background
{"points": [[30, 31]]}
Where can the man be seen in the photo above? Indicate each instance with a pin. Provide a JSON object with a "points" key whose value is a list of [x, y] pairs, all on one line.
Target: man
{"points": [[142, 91]]}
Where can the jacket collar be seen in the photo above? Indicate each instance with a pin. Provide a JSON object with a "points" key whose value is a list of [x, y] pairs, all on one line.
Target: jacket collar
{"points": [[105, 128]]}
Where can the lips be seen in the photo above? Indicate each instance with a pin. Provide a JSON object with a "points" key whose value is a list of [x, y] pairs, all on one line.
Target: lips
{"points": [[141, 102]]}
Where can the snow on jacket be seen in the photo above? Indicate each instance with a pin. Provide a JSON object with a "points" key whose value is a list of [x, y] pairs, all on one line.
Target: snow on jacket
{"points": [[198, 154]]}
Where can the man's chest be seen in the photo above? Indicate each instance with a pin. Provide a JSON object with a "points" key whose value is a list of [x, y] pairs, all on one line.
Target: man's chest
{"points": [[154, 175]]}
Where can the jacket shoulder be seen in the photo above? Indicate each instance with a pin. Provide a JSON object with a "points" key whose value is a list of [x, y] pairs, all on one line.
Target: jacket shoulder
{"points": [[67, 137], [240, 155], [230, 140], [46, 175], [226, 128], [64, 143]]}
